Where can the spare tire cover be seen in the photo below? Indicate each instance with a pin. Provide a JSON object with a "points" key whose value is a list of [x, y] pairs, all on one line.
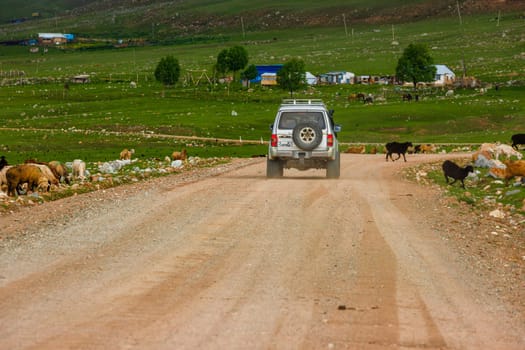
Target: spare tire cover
{"points": [[307, 135]]}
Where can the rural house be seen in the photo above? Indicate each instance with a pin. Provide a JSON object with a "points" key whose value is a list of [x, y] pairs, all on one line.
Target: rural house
{"points": [[54, 38], [337, 78], [444, 76]]}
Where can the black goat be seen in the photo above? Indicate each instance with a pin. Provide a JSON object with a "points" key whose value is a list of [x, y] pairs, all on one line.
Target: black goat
{"points": [[400, 148], [3, 162], [454, 171], [517, 139]]}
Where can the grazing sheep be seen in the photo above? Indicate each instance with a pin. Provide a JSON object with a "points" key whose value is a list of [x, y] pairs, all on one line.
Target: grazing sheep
{"points": [[517, 139], [497, 149], [428, 148], [26, 173], [352, 97], [126, 154], [512, 168], [3, 179], [3, 162], [356, 149], [59, 170], [48, 173], [414, 149], [508, 151], [454, 171], [449, 93], [398, 148], [79, 169], [179, 155]]}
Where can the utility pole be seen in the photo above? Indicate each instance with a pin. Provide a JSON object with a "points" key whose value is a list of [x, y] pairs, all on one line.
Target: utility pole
{"points": [[242, 25], [393, 35], [344, 21], [462, 51]]}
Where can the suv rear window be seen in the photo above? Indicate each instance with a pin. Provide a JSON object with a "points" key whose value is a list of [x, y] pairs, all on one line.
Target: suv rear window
{"points": [[290, 119]]}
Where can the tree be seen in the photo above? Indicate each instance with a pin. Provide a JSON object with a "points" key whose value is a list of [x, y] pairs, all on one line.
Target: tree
{"points": [[168, 71], [222, 62], [249, 73], [416, 65], [238, 58], [232, 60], [292, 76]]}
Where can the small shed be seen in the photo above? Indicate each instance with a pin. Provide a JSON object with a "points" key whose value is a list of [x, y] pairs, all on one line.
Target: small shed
{"points": [[268, 79], [80, 79], [444, 76], [266, 69]]}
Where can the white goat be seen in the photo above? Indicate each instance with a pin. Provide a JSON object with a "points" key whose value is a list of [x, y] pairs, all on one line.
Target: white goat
{"points": [[79, 169]]}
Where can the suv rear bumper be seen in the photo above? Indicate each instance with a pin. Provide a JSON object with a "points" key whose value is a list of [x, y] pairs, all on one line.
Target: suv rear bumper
{"points": [[328, 154]]}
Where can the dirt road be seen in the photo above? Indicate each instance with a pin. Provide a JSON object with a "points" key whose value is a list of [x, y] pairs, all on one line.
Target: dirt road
{"points": [[238, 261]]}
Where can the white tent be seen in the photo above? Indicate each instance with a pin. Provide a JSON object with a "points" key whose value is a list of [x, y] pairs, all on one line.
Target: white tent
{"points": [[311, 79]]}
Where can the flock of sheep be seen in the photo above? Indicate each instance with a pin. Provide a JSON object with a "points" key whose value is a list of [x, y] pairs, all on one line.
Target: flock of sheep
{"points": [[42, 176]]}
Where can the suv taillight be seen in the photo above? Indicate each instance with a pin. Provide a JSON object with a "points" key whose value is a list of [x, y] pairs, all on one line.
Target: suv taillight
{"points": [[274, 140], [330, 140]]}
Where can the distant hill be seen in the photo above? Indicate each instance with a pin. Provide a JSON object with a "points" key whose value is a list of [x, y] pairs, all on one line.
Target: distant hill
{"points": [[167, 19]]}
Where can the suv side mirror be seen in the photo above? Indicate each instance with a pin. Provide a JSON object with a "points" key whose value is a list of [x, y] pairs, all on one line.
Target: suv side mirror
{"points": [[337, 128], [271, 127]]}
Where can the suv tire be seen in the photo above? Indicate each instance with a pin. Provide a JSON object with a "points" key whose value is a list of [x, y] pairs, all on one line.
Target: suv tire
{"points": [[274, 168], [333, 167], [307, 135]]}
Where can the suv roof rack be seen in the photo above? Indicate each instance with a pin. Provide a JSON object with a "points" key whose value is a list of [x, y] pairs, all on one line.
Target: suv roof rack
{"points": [[316, 102]]}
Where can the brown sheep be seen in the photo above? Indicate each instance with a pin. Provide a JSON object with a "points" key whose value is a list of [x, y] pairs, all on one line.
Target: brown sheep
{"points": [[59, 170], [427, 148], [48, 173], [179, 155], [513, 168], [26, 173], [126, 154], [356, 149]]}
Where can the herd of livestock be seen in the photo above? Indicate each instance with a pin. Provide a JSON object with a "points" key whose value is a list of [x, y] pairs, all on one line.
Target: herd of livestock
{"points": [[34, 175], [487, 156], [42, 176]]}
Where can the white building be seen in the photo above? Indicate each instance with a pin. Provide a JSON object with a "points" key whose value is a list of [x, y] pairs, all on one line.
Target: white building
{"points": [[444, 76]]}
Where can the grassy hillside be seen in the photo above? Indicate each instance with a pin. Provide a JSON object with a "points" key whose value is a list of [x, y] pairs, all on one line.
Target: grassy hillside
{"points": [[169, 20]]}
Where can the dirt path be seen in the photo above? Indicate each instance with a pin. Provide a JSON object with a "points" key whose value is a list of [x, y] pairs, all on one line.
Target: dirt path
{"points": [[237, 261]]}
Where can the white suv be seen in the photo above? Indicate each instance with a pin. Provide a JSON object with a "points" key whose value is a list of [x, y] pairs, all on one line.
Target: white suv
{"points": [[304, 136]]}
